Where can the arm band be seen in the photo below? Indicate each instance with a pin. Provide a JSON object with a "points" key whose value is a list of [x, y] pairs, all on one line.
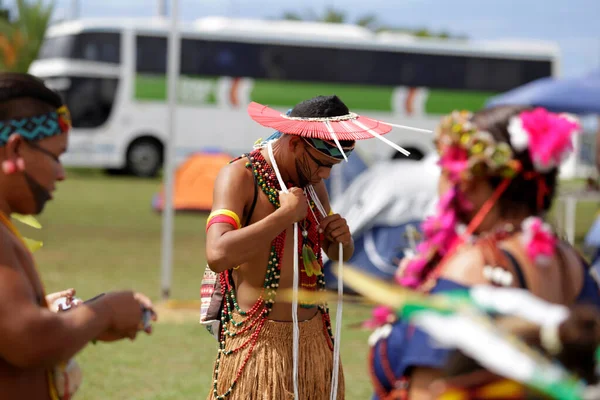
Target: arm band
{"points": [[224, 217]]}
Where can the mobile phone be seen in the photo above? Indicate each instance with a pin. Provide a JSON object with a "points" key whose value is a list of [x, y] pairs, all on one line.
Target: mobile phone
{"points": [[94, 298], [146, 318]]}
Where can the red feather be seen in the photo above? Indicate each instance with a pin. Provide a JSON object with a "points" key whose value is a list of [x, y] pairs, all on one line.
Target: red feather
{"points": [[344, 130]]}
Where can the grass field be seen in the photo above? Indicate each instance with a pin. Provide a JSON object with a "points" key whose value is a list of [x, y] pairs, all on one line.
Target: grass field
{"points": [[100, 234]]}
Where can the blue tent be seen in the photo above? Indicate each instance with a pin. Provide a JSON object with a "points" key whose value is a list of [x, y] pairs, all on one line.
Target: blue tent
{"points": [[345, 172], [377, 252], [577, 95]]}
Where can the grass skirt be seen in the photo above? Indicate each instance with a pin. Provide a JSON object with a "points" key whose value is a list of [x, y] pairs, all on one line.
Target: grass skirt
{"points": [[268, 373]]}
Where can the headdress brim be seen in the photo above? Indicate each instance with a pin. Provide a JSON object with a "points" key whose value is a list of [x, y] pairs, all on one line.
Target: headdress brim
{"points": [[346, 127]]}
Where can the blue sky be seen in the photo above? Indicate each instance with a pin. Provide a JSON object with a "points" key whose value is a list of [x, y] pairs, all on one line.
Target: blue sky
{"points": [[573, 24]]}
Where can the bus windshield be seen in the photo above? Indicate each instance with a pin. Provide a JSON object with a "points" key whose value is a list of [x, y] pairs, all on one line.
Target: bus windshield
{"points": [[89, 46], [90, 100]]}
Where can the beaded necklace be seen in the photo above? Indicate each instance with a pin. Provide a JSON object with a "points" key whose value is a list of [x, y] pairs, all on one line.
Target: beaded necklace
{"points": [[494, 236], [255, 318]]}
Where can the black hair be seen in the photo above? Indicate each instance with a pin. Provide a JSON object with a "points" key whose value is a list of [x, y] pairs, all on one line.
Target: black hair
{"points": [[521, 195], [322, 107], [14, 86]]}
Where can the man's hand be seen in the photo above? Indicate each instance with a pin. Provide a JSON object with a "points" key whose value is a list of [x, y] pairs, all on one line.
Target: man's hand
{"points": [[146, 303], [294, 204], [336, 230], [126, 311], [112, 335]]}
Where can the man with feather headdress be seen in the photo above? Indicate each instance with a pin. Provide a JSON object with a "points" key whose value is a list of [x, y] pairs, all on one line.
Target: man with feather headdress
{"points": [[270, 222]]}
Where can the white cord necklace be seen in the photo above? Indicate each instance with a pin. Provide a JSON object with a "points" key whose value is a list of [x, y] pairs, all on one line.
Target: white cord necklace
{"points": [[296, 330]]}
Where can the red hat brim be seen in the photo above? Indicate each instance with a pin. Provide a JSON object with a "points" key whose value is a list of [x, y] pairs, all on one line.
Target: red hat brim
{"points": [[352, 127]]}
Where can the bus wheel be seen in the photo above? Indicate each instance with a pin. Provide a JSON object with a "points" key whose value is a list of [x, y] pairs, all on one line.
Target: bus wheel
{"points": [[144, 157]]}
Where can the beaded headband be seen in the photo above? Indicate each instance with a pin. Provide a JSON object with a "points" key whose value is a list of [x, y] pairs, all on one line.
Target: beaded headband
{"points": [[37, 127], [329, 148]]}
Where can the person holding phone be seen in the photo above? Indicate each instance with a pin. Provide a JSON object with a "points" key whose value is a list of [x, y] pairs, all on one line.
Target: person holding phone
{"points": [[37, 345]]}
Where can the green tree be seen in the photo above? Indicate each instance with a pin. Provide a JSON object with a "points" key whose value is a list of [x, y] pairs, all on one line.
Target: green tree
{"points": [[369, 21], [330, 15], [22, 37], [4, 12]]}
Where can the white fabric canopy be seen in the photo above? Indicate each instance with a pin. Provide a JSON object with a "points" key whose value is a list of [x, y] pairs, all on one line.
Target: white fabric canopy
{"points": [[390, 193]]}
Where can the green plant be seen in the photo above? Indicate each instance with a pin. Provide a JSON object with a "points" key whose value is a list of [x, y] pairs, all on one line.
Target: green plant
{"points": [[21, 38]]}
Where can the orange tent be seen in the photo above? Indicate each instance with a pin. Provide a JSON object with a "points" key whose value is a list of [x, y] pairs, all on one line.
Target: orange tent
{"points": [[194, 182]]}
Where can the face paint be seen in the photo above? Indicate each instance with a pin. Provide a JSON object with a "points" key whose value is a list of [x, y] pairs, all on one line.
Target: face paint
{"points": [[319, 163], [38, 192], [301, 170]]}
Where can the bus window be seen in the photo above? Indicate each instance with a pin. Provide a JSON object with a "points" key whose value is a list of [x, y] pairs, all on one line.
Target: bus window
{"points": [[476, 74], [89, 46], [90, 100], [56, 47], [98, 46], [353, 65], [272, 62], [220, 58], [151, 54], [533, 70], [192, 57], [338, 65]]}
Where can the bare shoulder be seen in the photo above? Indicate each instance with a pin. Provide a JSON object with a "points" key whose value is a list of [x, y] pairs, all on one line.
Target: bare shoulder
{"points": [[233, 188], [12, 259], [9, 248], [567, 255], [573, 262], [234, 174], [466, 266], [234, 182]]}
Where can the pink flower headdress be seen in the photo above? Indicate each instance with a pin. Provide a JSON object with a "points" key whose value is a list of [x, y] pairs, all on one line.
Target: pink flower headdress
{"points": [[538, 239], [547, 136], [465, 152]]}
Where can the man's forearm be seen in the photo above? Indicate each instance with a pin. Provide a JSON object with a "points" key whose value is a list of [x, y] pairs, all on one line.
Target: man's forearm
{"points": [[49, 338]]}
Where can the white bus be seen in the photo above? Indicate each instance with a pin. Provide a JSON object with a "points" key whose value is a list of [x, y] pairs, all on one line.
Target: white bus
{"points": [[112, 74]]}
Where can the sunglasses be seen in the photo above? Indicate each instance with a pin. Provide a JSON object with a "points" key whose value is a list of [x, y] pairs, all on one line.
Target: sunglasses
{"points": [[320, 163], [43, 151]]}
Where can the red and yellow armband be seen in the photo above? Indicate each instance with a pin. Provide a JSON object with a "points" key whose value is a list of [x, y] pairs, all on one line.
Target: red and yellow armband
{"points": [[223, 216]]}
